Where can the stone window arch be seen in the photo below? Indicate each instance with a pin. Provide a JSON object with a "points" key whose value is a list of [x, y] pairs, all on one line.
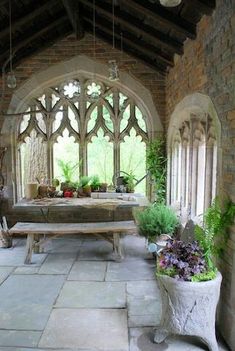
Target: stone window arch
{"points": [[193, 144], [79, 67], [81, 109]]}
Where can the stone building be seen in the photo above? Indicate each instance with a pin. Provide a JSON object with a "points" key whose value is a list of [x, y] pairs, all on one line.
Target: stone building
{"points": [[181, 82]]}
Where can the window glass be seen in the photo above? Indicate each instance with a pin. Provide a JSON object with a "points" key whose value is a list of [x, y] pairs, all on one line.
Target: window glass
{"points": [[100, 157], [88, 118], [133, 156]]}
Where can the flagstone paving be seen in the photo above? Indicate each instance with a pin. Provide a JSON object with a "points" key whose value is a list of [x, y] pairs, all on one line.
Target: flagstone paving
{"points": [[75, 297]]}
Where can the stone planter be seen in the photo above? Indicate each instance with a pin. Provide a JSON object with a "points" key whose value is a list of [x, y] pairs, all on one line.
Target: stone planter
{"points": [[189, 308]]}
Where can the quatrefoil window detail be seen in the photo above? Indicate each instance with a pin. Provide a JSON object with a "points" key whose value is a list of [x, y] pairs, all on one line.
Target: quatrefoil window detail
{"points": [[94, 90], [71, 89]]}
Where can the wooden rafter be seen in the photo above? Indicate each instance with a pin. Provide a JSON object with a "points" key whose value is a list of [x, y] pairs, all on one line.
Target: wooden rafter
{"points": [[159, 13], [73, 8], [32, 50], [156, 66], [26, 18], [205, 6], [131, 41], [31, 37], [135, 25]]}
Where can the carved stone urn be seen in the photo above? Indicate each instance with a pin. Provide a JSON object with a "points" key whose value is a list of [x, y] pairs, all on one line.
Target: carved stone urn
{"points": [[189, 308]]}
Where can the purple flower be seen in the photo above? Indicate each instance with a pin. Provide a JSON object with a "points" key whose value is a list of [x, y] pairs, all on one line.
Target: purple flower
{"points": [[183, 259]]}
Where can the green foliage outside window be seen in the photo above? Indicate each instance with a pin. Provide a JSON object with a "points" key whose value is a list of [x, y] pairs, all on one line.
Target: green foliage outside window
{"points": [[157, 165]]}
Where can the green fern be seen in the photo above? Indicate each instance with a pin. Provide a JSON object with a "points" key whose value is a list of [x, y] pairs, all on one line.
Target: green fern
{"points": [[156, 164], [214, 234], [67, 169]]}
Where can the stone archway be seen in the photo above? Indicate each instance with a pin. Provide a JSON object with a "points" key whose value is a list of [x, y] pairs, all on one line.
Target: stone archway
{"points": [[194, 119]]}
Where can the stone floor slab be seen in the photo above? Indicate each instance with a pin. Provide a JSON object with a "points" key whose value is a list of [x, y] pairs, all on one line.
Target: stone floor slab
{"points": [[63, 245], [88, 270], [134, 247], [92, 295], [26, 301], [4, 273], [141, 339], [15, 257], [26, 270], [129, 270], [37, 349], [95, 250], [19, 338], [103, 330], [144, 320], [143, 297], [60, 263]]}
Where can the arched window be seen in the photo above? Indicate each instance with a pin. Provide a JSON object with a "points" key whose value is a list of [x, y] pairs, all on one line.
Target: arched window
{"points": [[95, 128], [192, 169]]}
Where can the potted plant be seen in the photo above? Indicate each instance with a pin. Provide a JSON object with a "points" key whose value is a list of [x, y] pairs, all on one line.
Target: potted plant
{"points": [[129, 182], [189, 281], [67, 171], [84, 188], [156, 220], [95, 183]]}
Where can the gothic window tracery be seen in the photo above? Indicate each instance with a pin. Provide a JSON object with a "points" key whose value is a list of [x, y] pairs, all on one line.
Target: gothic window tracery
{"points": [[193, 165], [86, 114]]}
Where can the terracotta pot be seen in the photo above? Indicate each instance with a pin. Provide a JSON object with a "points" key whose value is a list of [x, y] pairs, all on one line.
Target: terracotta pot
{"points": [[87, 190], [42, 190]]}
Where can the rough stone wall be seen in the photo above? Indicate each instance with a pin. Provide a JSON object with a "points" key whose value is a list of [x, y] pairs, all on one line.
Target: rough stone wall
{"points": [[208, 67], [69, 47]]}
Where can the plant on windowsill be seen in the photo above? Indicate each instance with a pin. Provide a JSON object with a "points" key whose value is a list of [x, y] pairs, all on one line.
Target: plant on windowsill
{"points": [[67, 171], [84, 188], [95, 183], [129, 181], [189, 280]]}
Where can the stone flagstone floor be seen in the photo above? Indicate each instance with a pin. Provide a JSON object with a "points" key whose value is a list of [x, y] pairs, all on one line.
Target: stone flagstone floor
{"points": [[75, 297]]}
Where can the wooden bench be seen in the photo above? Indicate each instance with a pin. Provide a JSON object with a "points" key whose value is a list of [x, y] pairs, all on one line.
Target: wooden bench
{"points": [[37, 232]]}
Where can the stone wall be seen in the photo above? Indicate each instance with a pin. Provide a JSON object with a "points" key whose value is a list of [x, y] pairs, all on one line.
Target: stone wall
{"points": [[208, 67]]}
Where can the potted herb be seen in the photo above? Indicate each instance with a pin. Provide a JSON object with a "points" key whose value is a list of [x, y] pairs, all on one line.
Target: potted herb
{"points": [[95, 183], [84, 188], [129, 182], [155, 220], [189, 281]]}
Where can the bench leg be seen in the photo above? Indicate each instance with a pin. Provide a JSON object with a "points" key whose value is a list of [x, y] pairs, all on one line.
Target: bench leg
{"points": [[117, 247], [29, 248]]}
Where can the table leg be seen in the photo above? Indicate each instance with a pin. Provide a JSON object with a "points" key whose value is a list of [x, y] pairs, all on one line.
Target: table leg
{"points": [[37, 247], [117, 247], [29, 248]]}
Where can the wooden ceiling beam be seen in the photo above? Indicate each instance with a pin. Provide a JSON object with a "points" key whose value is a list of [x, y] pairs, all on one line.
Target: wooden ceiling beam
{"points": [[3, 2], [131, 41], [204, 6], [137, 26], [73, 9], [32, 36], [45, 44], [4, 30], [130, 51], [159, 13]]}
